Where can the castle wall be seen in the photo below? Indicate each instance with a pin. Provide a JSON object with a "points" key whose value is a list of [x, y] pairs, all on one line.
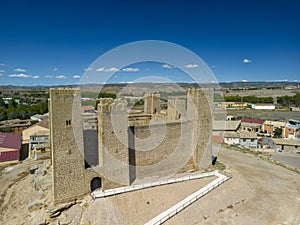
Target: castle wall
{"points": [[163, 148], [125, 152]]}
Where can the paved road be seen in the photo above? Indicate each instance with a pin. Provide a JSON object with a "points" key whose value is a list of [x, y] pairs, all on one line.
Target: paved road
{"points": [[287, 159]]}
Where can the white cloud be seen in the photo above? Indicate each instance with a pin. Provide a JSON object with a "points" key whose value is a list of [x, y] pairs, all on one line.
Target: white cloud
{"points": [[55, 69], [2, 71], [35, 77], [103, 69], [130, 69], [48, 76], [1, 74], [244, 80], [20, 70], [247, 60], [76, 76], [21, 75], [60, 77], [191, 66], [88, 69], [2, 64], [213, 66], [168, 66]]}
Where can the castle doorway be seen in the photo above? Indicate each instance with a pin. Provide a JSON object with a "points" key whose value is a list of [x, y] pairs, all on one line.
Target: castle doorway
{"points": [[95, 183]]}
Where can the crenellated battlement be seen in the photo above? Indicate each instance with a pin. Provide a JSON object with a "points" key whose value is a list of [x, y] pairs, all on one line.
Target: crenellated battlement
{"points": [[107, 105], [152, 95], [64, 92], [195, 92]]}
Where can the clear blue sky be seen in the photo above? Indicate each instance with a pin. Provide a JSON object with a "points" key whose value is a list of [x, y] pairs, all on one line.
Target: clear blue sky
{"points": [[50, 42]]}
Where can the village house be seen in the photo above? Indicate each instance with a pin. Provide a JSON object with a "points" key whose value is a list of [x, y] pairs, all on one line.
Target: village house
{"points": [[39, 117], [292, 129], [231, 138], [248, 139], [15, 126], [263, 106], [236, 105], [37, 138], [88, 109], [226, 131], [10, 146], [251, 125], [269, 127], [221, 126], [285, 145]]}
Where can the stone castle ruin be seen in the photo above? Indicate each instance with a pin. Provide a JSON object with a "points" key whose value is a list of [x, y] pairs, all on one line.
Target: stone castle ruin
{"points": [[125, 147]]}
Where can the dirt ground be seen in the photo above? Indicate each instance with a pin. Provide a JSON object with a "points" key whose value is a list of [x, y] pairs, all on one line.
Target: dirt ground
{"points": [[23, 196], [15, 185], [259, 193]]}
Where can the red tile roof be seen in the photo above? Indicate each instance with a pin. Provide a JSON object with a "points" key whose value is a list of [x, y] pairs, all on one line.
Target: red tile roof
{"points": [[217, 139], [8, 140], [44, 123], [247, 120], [11, 155]]}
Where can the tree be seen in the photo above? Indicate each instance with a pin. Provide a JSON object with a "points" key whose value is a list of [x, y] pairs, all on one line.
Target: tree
{"points": [[12, 103], [106, 95], [2, 103], [278, 132], [3, 114], [96, 104]]}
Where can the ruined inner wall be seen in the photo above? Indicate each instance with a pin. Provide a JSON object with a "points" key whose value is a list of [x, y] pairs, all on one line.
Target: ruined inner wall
{"points": [[176, 109], [163, 148], [152, 103]]}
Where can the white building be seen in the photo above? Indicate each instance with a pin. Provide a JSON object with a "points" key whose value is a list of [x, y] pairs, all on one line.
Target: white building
{"points": [[248, 139], [263, 106], [231, 138]]}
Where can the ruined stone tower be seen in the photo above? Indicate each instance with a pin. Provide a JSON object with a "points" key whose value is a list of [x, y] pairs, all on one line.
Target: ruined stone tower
{"points": [[199, 103], [67, 152], [152, 103], [70, 177], [113, 139]]}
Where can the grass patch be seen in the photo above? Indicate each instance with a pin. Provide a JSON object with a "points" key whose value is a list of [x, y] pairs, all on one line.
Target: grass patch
{"points": [[219, 166]]}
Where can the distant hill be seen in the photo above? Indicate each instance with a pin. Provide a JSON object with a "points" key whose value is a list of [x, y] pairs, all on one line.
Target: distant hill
{"points": [[167, 87]]}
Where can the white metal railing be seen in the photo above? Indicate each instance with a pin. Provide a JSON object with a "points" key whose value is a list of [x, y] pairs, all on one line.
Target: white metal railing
{"points": [[164, 216], [115, 191]]}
